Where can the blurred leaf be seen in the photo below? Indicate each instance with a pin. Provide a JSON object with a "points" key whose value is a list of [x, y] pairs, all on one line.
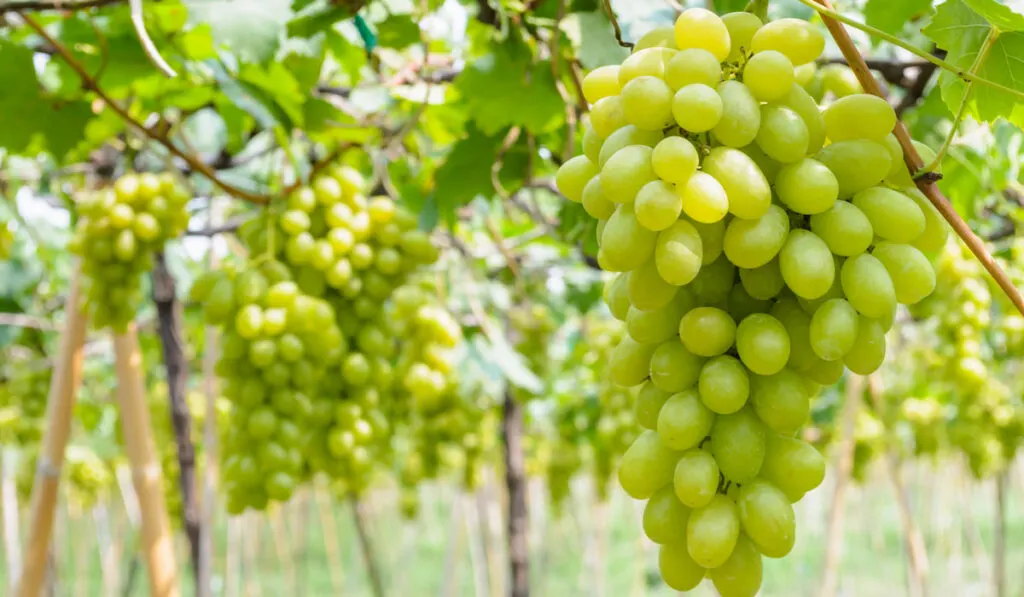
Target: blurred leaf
{"points": [[593, 38], [998, 14], [32, 116], [350, 56], [496, 350], [961, 31], [321, 19], [466, 173], [250, 29], [279, 87], [724, 6], [893, 15], [398, 32]]}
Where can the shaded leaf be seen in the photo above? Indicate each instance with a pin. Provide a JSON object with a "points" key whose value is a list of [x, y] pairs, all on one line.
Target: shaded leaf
{"points": [[724, 6], [593, 38], [398, 32], [250, 29], [893, 15], [466, 173], [321, 19], [496, 350]]}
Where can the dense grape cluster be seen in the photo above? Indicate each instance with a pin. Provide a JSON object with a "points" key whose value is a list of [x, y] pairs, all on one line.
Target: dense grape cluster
{"points": [[277, 344], [117, 233], [762, 246]]}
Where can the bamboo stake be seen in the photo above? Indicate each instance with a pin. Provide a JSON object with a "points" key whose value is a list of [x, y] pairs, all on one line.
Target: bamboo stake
{"points": [[67, 375], [844, 470], [157, 541], [9, 499]]}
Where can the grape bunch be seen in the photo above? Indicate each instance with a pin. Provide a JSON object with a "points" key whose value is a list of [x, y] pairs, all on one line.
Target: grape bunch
{"points": [[762, 246], [277, 344], [23, 393], [118, 231]]}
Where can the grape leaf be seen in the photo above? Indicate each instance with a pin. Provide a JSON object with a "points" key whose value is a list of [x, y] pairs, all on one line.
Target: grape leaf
{"points": [[321, 19], [593, 39], [724, 6], [398, 32], [961, 31], [33, 116], [893, 15], [998, 15], [495, 349], [252, 30], [466, 173], [504, 88]]}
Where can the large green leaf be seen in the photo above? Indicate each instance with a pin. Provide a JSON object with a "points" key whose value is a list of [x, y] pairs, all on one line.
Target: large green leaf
{"points": [[593, 38], [893, 15], [34, 119], [466, 173], [962, 32], [999, 15], [251, 29], [322, 18], [505, 88]]}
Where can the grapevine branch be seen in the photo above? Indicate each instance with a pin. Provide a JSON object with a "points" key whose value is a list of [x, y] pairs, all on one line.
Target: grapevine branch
{"points": [[148, 47], [615, 23], [90, 84], [55, 5], [913, 160]]}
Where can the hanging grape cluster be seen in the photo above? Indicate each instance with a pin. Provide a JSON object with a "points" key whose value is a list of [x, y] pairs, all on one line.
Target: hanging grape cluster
{"points": [[117, 233], [761, 246]]}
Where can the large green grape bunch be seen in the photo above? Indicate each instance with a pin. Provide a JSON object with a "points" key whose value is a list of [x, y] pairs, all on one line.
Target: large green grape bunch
{"points": [[119, 230], [762, 246], [277, 344]]}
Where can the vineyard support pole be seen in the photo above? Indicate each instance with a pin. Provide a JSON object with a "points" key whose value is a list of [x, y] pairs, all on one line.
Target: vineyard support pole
{"points": [[157, 542], [67, 374], [999, 550], [515, 484]]}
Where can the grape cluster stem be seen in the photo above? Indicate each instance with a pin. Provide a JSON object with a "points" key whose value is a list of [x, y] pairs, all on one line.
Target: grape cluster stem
{"points": [[914, 162]]}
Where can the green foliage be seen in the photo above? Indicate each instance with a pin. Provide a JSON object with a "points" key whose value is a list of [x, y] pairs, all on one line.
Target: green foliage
{"points": [[251, 30], [893, 15]]}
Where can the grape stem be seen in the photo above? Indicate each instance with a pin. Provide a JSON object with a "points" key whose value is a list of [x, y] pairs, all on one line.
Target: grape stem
{"points": [[615, 23], [914, 162], [827, 12], [90, 84], [990, 39]]}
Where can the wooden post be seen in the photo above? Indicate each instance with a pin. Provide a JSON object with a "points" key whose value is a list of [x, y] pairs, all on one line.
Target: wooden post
{"points": [[843, 470], [515, 484], [157, 541], [67, 374]]}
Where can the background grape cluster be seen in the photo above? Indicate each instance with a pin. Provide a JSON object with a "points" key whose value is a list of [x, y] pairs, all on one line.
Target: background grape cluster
{"points": [[762, 246]]}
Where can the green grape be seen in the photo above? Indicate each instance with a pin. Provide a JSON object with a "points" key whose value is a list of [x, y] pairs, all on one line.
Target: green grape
{"points": [[674, 368], [684, 421], [752, 243], [893, 215], [647, 466], [867, 286], [762, 344], [693, 65], [707, 331], [805, 73], [780, 401], [701, 28], [712, 284], [792, 465], [697, 108], [860, 116], [659, 37], [677, 568], [649, 62], [712, 238], [695, 481], [738, 445], [807, 187], [806, 264], [616, 296], [649, 401], [741, 115], [630, 363], [840, 80], [768, 75], [844, 228], [648, 291], [724, 385], [912, 275], [656, 326], [766, 516], [591, 144], [868, 351], [858, 164], [712, 531], [899, 175], [936, 230], [783, 135], [797, 39], [833, 329], [803, 104], [674, 160], [741, 26], [678, 253], [594, 201], [665, 517], [657, 205], [744, 183], [626, 136], [741, 304], [703, 198], [607, 116], [625, 244], [741, 574], [764, 282], [626, 172], [601, 82], [647, 103]]}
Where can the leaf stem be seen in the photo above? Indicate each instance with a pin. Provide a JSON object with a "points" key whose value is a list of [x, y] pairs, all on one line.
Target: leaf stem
{"points": [[913, 161], [990, 39], [90, 84], [827, 11], [615, 23]]}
